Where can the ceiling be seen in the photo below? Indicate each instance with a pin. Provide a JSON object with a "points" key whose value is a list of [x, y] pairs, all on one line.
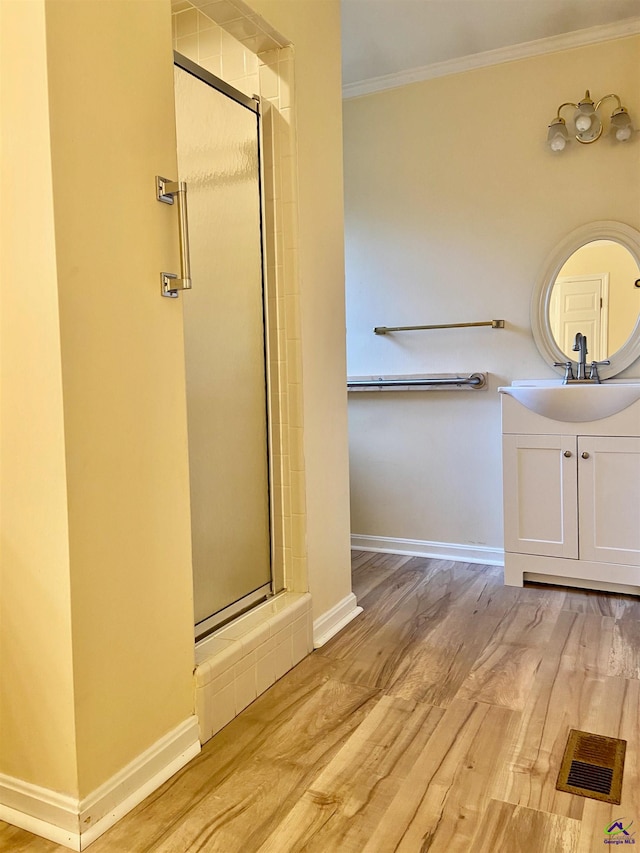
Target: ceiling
{"points": [[382, 37]]}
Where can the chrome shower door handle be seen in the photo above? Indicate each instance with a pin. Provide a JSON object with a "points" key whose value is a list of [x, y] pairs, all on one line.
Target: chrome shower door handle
{"points": [[166, 191]]}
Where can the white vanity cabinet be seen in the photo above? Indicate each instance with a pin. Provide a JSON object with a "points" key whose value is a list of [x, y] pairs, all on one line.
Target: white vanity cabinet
{"points": [[540, 495], [609, 499], [572, 499]]}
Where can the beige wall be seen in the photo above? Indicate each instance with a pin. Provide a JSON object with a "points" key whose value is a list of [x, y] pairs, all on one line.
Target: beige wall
{"points": [[624, 298], [452, 204], [37, 719], [99, 621], [123, 377]]}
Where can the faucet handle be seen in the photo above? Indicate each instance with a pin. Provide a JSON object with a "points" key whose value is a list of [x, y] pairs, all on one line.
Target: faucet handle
{"points": [[593, 369], [568, 369]]}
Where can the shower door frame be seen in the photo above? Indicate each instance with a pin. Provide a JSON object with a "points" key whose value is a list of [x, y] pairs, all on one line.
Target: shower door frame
{"points": [[210, 624]]}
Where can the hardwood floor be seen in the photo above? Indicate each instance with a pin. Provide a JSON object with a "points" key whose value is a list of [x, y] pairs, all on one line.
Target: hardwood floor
{"points": [[437, 720]]}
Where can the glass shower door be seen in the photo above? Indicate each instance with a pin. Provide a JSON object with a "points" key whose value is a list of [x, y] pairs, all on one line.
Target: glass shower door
{"points": [[218, 157]]}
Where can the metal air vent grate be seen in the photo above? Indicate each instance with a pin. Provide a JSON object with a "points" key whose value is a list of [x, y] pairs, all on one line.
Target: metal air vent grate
{"points": [[592, 766]]}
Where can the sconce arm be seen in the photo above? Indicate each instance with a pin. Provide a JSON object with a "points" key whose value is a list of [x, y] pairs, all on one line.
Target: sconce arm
{"points": [[604, 98], [567, 104]]}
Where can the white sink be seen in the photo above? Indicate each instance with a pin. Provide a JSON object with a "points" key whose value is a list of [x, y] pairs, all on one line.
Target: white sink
{"points": [[575, 402]]}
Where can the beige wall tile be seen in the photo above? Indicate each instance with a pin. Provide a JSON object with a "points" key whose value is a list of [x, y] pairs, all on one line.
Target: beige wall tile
{"points": [[186, 23], [188, 46], [213, 64], [209, 43], [266, 670]]}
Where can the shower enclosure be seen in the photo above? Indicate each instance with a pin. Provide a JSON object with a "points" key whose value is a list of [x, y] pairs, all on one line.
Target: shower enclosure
{"points": [[224, 328]]}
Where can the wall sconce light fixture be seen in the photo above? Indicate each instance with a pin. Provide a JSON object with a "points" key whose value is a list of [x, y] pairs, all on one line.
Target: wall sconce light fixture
{"points": [[587, 124]]}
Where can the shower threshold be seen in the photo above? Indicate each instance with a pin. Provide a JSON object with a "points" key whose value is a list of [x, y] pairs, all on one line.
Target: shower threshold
{"points": [[242, 659], [208, 626]]}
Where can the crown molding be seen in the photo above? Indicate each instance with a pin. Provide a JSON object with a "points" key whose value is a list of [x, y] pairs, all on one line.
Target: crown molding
{"points": [[553, 44]]}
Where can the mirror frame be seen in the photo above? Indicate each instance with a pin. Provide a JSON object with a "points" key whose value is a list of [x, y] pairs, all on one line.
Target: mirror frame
{"points": [[618, 232]]}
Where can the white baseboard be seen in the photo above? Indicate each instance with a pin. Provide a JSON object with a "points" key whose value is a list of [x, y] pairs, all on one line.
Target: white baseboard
{"points": [[41, 828], [334, 620], [75, 823], [41, 811], [435, 550]]}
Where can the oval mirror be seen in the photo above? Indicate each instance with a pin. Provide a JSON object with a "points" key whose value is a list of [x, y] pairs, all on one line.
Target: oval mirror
{"points": [[591, 284]]}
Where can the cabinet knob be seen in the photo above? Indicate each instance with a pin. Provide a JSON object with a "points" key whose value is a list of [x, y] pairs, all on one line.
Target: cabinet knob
{"points": [[567, 453], [585, 455]]}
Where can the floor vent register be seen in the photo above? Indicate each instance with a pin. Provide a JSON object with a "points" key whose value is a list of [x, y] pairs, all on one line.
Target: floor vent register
{"points": [[592, 766]]}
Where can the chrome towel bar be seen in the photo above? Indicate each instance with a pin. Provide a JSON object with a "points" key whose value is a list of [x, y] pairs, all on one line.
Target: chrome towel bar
{"points": [[474, 381], [382, 330]]}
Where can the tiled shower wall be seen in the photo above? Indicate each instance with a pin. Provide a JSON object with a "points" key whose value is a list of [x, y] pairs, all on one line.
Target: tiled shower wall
{"points": [[243, 50], [202, 40]]}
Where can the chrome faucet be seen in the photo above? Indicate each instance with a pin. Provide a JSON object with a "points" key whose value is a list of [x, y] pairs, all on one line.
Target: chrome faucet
{"points": [[580, 346]]}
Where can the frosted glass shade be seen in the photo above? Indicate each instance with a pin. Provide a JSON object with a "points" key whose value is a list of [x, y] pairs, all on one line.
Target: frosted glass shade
{"points": [[558, 136], [621, 126]]}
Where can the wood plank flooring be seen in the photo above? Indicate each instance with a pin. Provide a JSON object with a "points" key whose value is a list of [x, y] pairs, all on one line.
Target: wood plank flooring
{"points": [[435, 721]]}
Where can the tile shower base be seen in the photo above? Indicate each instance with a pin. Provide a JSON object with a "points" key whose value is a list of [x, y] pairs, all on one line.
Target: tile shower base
{"points": [[240, 661]]}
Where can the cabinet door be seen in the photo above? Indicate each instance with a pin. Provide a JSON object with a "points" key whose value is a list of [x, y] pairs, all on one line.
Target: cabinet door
{"points": [[540, 495], [609, 499]]}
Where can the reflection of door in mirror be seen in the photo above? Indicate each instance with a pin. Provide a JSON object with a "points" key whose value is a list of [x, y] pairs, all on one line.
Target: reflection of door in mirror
{"points": [[580, 301]]}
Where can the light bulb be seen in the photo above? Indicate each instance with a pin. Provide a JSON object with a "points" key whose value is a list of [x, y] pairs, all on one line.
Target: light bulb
{"points": [[583, 122], [558, 142], [623, 133]]}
